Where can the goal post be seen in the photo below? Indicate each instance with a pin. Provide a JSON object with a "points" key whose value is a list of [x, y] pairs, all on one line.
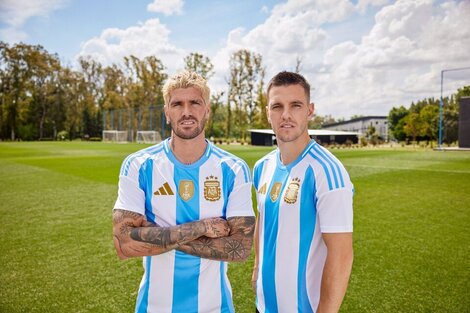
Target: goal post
{"points": [[115, 135], [148, 136]]}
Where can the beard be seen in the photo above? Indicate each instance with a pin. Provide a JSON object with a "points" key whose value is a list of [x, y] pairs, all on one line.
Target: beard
{"points": [[184, 134]]}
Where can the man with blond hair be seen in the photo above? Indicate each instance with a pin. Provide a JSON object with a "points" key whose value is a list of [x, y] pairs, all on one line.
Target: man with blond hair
{"points": [[303, 236], [184, 205]]}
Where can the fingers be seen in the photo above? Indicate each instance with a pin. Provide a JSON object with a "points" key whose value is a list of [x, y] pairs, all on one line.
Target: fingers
{"points": [[216, 227]]}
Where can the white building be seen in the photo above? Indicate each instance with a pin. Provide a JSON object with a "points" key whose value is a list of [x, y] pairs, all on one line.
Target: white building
{"points": [[362, 124]]}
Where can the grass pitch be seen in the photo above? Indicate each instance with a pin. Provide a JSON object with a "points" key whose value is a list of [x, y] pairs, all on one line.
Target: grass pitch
{"points": [[411, 238]]}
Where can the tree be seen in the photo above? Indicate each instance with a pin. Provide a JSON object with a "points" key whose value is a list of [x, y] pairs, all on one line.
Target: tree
{"points": [[429, 119], [200, 64], [246, 72], [396, 122], [412, 125]]}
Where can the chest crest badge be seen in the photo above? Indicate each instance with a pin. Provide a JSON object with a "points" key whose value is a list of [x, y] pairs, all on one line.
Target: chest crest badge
{"points": [[186, 189], [275, 191], [292, 191], [212, 189]]}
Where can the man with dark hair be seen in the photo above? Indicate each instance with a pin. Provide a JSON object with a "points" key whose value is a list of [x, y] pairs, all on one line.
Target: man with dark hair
{"points": [[303, 233]]}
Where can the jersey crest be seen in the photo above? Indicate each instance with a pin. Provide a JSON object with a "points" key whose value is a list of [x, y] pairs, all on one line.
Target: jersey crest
{"points": [[275, 191], [212, 189], [292, 191], [186, 189]]}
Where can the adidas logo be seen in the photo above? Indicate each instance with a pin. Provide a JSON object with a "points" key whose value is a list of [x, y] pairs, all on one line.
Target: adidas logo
{"points": [[164, 190]]}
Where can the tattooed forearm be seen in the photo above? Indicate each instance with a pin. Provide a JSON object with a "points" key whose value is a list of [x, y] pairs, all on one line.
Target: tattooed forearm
{"points": [[135, 236], [169, 237], [233, 248]]}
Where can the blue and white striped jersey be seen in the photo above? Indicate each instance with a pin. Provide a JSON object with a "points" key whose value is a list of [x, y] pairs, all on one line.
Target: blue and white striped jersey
{"points": [[154, 183], [296, 203]]}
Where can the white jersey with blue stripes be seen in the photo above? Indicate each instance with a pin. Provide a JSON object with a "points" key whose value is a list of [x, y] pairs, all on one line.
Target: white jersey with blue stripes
{"points": [[154, 183], [296, 204]]}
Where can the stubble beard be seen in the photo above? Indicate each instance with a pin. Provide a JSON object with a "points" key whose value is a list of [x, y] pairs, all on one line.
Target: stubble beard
{"points": [[184, 135]]}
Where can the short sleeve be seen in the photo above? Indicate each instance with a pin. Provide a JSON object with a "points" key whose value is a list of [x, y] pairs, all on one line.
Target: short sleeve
{"points": [[335, 211], [130, 196], [239, 201]]}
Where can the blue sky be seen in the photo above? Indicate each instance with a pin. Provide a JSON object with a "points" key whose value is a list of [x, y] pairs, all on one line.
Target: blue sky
{"points": [[361, 57]]}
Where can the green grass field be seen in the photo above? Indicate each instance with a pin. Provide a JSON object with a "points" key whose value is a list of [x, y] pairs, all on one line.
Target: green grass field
{"points": [[411, 235]]}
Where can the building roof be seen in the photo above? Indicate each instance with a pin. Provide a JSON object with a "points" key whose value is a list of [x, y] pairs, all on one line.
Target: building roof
{"points": [[311, 132], [357, 119]]}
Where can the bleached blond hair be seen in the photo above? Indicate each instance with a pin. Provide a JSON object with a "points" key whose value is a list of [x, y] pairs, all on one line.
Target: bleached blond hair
{"points": [[186, 79]]}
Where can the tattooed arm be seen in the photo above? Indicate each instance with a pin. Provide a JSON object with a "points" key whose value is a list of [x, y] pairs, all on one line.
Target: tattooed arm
{"points": [[135, 237], [234, 248]]}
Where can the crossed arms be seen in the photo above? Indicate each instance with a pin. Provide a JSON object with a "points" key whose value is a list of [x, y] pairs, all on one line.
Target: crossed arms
{"points": [[211, 238]]}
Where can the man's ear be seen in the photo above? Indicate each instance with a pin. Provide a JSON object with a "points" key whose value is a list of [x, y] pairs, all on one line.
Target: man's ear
{"points": [[311, 110]]}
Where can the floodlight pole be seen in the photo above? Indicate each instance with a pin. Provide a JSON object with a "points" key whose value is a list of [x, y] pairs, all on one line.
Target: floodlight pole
{"points": [[441, 103]]}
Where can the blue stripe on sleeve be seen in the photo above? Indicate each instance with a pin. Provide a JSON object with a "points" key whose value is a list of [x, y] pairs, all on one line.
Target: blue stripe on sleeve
{"points": [[332, 161], [325, 168], [333, 170]]}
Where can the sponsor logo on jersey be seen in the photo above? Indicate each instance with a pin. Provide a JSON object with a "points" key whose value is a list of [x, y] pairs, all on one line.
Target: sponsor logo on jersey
{"points": [[164, 190], [212, 189], [292, 191], [262, 190], [186, 189], [275, 191]]}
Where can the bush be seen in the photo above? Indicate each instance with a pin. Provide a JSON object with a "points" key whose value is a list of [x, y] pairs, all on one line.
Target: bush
{"points": [[63, 135], [95, 139]]}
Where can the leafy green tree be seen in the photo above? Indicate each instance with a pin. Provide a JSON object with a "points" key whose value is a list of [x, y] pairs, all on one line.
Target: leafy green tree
{"points": [[246, 72], [412, 125], [396, 122], [429, 118], [200, 64]]}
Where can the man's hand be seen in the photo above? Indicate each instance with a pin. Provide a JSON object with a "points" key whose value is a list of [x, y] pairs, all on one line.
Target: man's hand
{"points": [[216, 227]]}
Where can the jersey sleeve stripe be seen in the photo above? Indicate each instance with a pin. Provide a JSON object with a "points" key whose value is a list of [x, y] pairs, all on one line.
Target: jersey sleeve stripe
{"points": [[128, 161], [334, 166], [325, 168]]}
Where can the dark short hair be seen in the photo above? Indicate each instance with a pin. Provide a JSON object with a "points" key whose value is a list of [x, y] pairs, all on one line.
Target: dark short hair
{"points": [[285, 78]]}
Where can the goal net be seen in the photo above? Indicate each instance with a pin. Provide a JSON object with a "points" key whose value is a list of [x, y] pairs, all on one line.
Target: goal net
{"points": [[114, 135], [148, 136]]}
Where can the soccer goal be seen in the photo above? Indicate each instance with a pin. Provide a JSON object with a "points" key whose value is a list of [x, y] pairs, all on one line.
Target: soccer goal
{"points": [[114, 135], [148, 136]]}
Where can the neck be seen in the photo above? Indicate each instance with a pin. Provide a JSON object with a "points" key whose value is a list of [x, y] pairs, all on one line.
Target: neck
{"points": [[188, 151], [291, 150]]}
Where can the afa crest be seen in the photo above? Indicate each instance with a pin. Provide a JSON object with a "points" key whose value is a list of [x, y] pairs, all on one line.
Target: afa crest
{"points": [[186, 189], [212, 189], [275, 191], [292, 191]]}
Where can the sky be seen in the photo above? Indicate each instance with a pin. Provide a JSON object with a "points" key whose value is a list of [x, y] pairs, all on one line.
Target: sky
{"points": [[361, 57]]}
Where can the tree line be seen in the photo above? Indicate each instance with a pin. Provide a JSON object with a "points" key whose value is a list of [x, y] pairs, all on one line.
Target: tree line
{"points": [[421, 120], [41, 98]]}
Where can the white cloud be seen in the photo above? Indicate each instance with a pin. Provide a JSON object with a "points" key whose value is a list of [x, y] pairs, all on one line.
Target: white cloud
{"points": [[14, 13], [293, 30], [167, 7], [149, 38], [398, 60]]}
